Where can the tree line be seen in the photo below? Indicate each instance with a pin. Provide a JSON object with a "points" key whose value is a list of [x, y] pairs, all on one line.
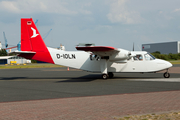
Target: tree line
{"points": [[3, 52], [169, 56]]}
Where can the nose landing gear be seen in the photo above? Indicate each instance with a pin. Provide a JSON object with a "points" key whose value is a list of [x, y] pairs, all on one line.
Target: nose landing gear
{"points": [[166, 74]]}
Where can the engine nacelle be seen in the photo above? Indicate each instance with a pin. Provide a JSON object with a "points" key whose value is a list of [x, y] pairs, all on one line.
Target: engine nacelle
{"points": [[122, 55]]}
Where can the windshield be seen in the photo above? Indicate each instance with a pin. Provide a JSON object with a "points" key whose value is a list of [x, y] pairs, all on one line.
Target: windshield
{"points": [[148, 56]]}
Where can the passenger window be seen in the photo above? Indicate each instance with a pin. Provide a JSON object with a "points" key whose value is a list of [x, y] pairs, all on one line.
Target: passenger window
{"points": [[138, 58]]}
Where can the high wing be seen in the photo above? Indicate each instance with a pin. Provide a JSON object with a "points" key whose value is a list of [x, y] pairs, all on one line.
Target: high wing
{"points": [[100, 50], [96, 48]]}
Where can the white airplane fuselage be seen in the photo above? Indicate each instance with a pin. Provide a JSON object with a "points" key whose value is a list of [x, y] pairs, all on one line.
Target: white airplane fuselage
{"points": [[81, 60]]}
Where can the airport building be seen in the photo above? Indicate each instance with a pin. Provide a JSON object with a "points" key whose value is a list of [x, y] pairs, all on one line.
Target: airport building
{"points": [[163, 48], [13, 60]]}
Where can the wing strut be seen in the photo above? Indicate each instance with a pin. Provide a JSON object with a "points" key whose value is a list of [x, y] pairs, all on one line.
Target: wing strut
{"points": [[104, 68]]}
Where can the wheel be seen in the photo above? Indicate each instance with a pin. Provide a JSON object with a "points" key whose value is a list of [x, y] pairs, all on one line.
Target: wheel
{"points": [[104, 76], [111, 75], [166, 75], [90, 57]]}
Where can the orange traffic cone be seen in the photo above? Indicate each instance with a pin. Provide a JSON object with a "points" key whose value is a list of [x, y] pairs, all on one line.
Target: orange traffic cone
{"points": [[68, 69]]}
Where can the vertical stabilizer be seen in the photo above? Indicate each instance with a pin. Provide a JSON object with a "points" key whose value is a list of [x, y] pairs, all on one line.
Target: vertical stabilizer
{"points": [[31, 40]]}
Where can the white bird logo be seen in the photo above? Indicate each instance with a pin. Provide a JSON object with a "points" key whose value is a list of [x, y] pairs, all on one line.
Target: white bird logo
{"points": [[34, 33]]}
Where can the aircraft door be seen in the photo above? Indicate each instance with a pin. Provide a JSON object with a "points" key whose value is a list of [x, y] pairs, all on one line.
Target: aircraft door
{"points": [[138, 63]]}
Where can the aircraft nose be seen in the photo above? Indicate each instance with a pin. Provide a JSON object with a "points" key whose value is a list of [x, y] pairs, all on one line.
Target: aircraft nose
{"points": [[168, 64], [162, 64]]}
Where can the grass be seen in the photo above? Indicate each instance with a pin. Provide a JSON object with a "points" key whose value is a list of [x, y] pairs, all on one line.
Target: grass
{"points": [[174, 61], [33, 65]]}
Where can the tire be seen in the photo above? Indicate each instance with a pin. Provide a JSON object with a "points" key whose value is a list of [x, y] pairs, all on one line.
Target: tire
{"points": [[111, 75], [104, 76], [90, 57], [166, 75]]}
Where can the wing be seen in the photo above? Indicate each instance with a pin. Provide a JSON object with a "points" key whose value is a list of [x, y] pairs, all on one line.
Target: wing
{"points": [[100, 50], [96, 48]]}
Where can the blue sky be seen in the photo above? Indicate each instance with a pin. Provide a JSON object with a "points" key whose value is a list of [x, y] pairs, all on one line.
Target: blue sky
{"points": [[116, 23]]}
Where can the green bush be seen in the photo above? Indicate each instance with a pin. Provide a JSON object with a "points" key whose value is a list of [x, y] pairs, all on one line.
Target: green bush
{"points": [[3, 52], [33, 61], [170, 56]]}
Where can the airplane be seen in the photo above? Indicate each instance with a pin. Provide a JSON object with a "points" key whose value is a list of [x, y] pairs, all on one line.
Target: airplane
{"points": [[100, 59]]}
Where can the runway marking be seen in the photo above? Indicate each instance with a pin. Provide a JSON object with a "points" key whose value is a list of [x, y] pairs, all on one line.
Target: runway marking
{"points": [[158, 80]]}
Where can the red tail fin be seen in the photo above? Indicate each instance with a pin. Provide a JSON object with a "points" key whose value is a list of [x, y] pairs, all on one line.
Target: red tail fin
{"points": [[31, 40]]}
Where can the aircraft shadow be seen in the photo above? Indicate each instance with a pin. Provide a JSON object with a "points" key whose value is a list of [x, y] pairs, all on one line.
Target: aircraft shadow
{"points": [[12, 78], [88, 78], [93, 77]]}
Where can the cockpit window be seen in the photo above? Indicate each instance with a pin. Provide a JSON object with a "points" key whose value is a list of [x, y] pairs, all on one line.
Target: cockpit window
{"points": [[148, 56], [138, 57]]}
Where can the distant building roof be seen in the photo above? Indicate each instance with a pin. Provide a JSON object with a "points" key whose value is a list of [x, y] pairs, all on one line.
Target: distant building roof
{"points": [[163, 48]]}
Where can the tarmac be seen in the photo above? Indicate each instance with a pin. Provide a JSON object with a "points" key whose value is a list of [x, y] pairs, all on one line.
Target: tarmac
{"points": [[55, 93]]}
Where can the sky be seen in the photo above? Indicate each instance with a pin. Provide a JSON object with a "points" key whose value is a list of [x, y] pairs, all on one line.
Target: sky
{"points": [[116, 23]]}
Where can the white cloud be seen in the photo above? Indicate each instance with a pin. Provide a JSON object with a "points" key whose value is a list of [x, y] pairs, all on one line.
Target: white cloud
{"points": [[177, 10], [164, 15], [160, 12], [86, 12], [34, 6], [9, 6], [82, 8], [146, 39], [120, 13]]}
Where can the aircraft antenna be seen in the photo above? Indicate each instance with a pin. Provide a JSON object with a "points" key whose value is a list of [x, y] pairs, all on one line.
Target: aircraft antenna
{"points": [[133, 46]]}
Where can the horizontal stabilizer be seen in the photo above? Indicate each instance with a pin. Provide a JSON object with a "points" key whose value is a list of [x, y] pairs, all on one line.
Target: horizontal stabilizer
{"points": [[21, 52]]}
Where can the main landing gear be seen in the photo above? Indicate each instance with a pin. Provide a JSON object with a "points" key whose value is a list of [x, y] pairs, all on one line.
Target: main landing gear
{"points": [[103, 67], [166, 74], [110, 74], [106, 76]]}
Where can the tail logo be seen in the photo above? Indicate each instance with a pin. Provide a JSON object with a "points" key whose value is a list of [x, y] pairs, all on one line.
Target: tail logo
{"points": [[34, 33]]}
